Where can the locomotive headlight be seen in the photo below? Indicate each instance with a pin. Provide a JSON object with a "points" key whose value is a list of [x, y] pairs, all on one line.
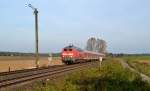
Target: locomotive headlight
{"points": [[64, 54], [70, 54]]}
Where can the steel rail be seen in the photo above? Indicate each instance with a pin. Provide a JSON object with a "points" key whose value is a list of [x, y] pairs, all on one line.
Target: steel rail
{"points": [[41, 74], [25, 73]]}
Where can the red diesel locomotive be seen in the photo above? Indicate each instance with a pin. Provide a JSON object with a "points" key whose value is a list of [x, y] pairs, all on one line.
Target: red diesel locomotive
{"points": [[72, 54]]}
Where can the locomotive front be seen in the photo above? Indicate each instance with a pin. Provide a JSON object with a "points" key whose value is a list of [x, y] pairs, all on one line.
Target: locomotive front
{"points": [[68, 55]]}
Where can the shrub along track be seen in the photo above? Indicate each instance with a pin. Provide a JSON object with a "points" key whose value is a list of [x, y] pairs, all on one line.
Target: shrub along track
{"points": [[25, 76]]}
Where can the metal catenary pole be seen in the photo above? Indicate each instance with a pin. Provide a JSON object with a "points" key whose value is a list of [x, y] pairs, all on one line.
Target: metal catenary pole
{"points": [[36, 36]]}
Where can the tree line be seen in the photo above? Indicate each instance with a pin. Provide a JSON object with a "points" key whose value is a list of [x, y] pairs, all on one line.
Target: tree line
{"points": [[20, 54]]}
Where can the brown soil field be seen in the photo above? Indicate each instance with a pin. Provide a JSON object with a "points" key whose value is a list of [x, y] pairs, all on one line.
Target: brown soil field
{"points": [[19, 62]]}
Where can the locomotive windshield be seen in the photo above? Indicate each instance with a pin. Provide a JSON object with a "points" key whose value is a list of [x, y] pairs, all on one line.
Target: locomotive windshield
{"points": [[65, 49], [70, 49]]}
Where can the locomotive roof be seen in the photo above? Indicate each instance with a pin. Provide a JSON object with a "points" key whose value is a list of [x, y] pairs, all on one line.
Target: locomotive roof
{"points": [[93, 52], [73, 47]]}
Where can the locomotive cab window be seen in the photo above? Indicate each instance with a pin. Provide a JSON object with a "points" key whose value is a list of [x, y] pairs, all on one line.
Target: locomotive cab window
{"points": [[65, 49], [70, 49]]}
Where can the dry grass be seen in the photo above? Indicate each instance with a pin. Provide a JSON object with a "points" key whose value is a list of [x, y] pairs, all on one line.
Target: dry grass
{"points": [[145, 61], [140, 63]]}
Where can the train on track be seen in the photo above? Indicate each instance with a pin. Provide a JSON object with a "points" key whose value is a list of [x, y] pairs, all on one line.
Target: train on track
{"points": [[72, 54]]}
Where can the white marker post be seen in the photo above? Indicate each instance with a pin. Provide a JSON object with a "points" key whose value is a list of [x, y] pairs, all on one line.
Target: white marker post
{"points": [[50, 59], [100, 62]]}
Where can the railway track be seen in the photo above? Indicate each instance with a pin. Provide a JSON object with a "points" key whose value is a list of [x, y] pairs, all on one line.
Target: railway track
{"points": [[14, 78]]}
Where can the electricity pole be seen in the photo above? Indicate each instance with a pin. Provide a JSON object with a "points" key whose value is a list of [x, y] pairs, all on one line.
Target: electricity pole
{"points": [[36, 35]]}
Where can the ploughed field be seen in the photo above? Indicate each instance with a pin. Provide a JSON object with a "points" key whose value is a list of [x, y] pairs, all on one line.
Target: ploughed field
{"points": [[24, 62]]}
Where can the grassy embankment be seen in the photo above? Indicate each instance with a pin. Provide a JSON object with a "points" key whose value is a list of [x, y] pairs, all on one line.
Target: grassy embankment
{"points": [[140, 63], [111, 77]]}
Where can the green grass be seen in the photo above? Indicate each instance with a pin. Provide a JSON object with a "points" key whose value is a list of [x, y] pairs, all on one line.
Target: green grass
{"points": [[136, 62], [111, 77]]}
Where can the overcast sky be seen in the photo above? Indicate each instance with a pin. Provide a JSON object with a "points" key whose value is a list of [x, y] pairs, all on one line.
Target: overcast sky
{"points": [[124, 24]]}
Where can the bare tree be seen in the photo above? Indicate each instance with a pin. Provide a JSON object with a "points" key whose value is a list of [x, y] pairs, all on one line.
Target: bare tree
{"points": [[101, 46], [91, 44], [98, 45]]}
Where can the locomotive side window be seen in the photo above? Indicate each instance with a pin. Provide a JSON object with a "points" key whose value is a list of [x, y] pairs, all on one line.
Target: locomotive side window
{"points": [[80, 50]]}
